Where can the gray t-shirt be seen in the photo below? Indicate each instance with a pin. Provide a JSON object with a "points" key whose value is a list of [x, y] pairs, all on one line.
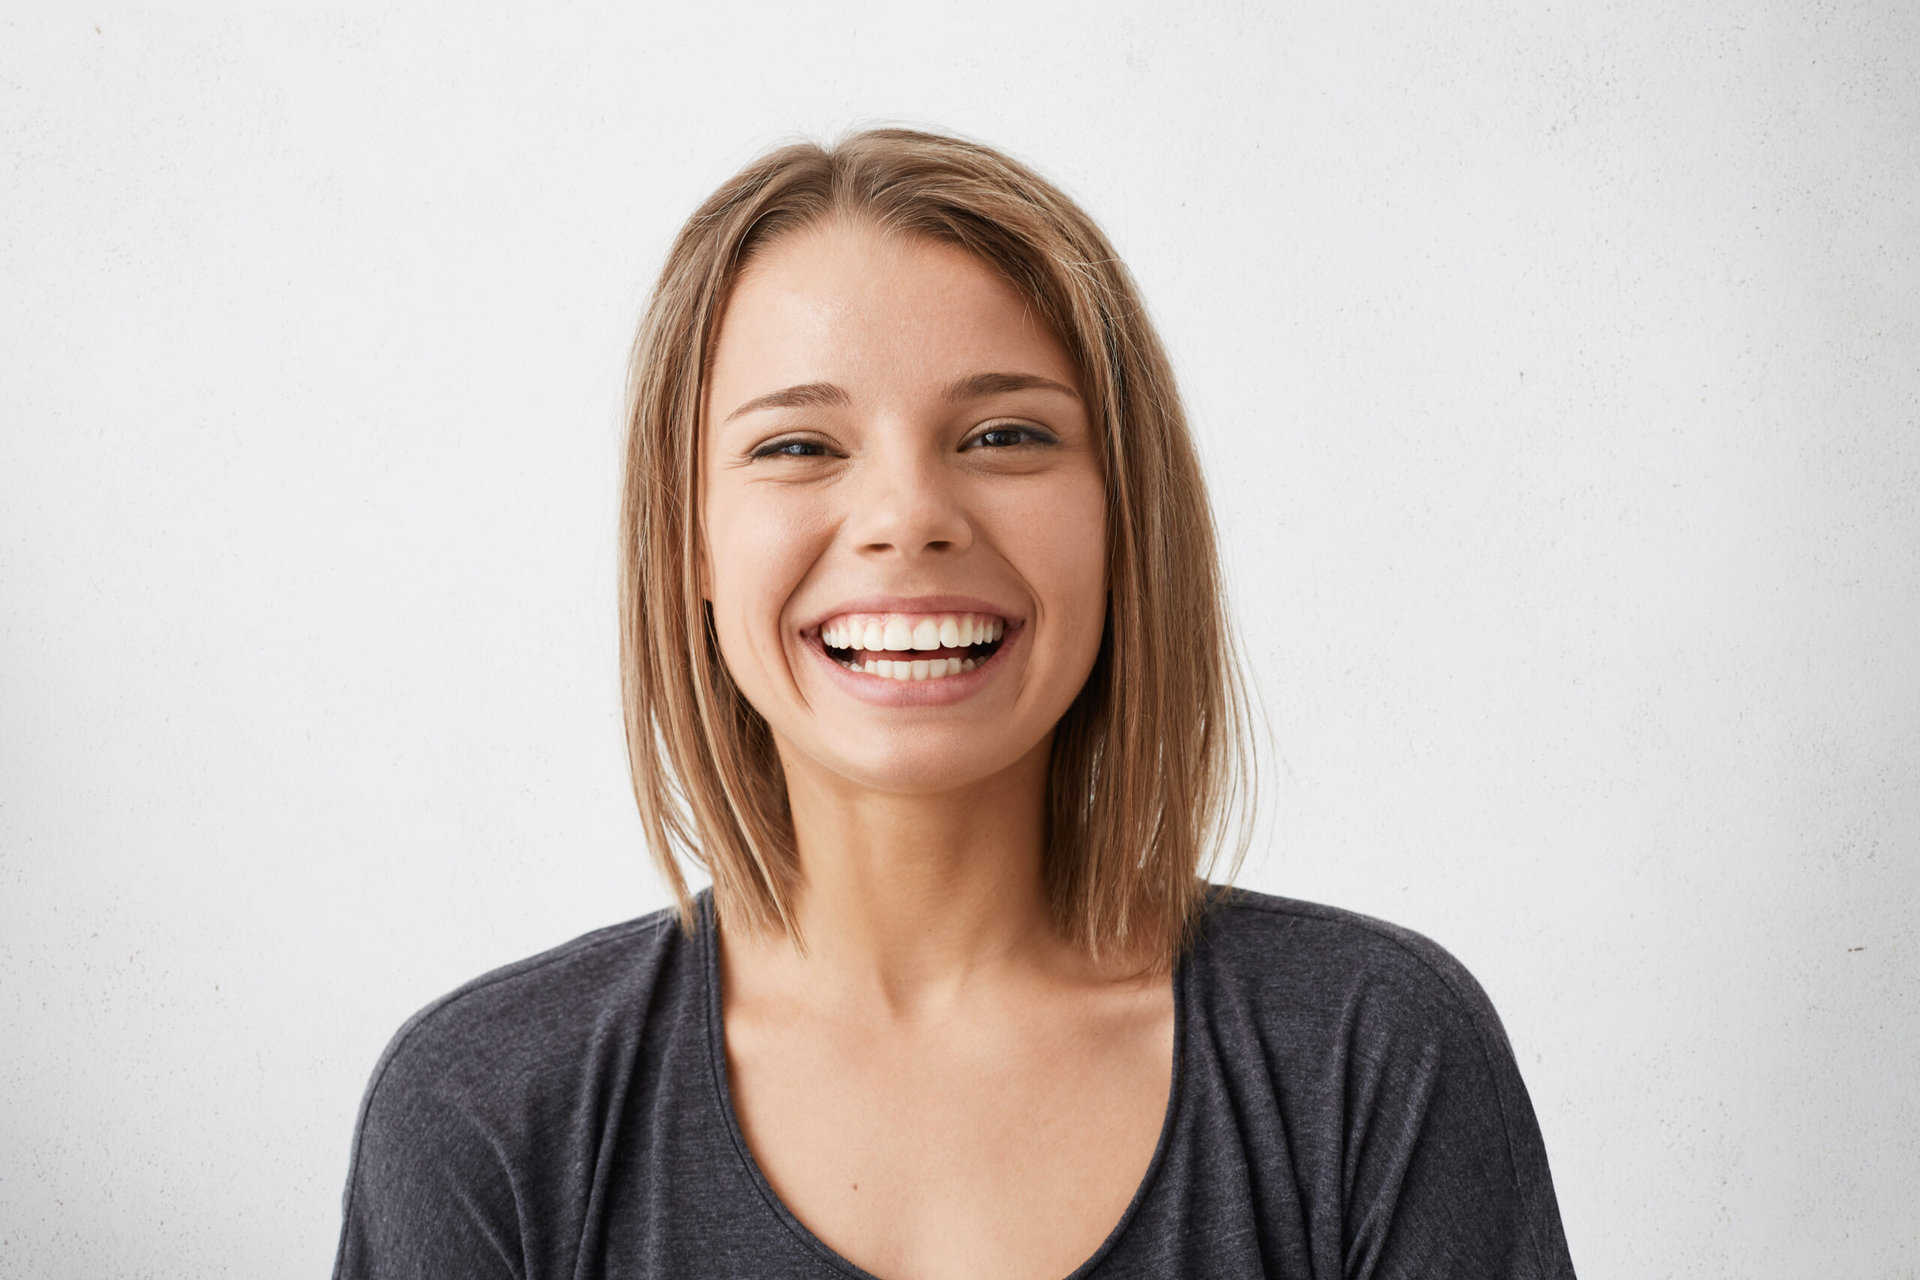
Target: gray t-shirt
{"points": [[1345, 1105]]}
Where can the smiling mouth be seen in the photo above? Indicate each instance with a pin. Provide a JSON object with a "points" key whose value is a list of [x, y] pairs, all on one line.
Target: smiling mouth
{"points": [[897, 657]]}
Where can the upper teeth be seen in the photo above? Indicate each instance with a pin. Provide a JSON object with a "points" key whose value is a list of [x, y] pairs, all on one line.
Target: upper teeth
{"points": [[876, 631]]}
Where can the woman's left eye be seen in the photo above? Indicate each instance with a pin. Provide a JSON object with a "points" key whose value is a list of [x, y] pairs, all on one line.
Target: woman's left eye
{"points": [[1010, 436]]}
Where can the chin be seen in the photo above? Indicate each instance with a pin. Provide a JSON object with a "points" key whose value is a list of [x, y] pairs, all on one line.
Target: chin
{"points": [[923, 768]]}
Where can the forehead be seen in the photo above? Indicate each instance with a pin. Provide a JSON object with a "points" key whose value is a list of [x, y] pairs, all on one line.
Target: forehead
{"points": [[890, 317]]}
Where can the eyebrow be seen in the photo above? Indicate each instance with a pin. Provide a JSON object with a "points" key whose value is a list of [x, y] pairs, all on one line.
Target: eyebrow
{"points": [[972, 387]]}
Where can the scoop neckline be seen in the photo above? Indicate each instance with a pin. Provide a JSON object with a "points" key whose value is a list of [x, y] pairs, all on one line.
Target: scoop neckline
{"points": [[723, 1100]]}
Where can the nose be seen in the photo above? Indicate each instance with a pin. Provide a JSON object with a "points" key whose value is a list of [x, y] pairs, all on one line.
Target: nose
{"points": [[907, 502]]}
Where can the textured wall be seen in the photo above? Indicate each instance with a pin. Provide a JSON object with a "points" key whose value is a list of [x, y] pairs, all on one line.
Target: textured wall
{"points": [[1557, 374]]}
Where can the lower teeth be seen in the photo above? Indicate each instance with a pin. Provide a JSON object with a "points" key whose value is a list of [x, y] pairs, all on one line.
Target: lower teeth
{"points": [[923, 669]]}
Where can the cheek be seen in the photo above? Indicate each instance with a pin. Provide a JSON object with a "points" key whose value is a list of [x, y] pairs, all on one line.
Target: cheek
{"points": [[1090, 569], [749, 535], [1063, 533], [758, 550]]}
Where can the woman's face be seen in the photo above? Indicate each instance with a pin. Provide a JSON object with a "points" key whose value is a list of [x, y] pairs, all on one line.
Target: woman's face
{"points": [[899, 479]]}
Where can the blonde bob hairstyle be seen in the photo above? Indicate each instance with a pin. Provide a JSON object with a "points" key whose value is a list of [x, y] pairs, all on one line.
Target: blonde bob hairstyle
{"points": [[1152, 753]]}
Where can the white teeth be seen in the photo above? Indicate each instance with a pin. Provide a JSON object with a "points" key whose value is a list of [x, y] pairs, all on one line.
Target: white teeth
{"points": [[918, 669], [897, 632]]}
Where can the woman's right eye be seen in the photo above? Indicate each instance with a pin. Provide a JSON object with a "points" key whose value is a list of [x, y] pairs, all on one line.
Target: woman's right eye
{"points": [[790, 449]]}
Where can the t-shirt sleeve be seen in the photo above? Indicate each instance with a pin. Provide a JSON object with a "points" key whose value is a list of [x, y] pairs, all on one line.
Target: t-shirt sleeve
{"points": [[1446, 1170], [428, 1191]]}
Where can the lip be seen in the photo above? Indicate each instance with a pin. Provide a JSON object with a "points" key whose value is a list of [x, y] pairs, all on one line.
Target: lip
{"points": [[884, 691], [917, 604]]}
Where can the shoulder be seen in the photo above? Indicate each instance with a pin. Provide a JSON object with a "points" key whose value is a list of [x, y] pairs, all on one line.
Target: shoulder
{"points": [[1289, 958], [1382, 1046], [1250, 931], [511, 1022], [468, 1129]]}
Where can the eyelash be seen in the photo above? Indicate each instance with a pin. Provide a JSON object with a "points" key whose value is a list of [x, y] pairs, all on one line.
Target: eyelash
{"points": [[1034, 437]]}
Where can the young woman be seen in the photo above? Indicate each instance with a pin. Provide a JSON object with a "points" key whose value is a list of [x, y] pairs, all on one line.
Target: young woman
{"points": [[926, 664]]}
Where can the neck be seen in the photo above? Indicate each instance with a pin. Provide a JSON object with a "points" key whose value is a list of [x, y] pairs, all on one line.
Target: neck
{"points": [[910, 904]]}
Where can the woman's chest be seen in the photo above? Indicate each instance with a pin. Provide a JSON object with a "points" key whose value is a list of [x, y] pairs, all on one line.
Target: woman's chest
{"points": [[1006, 1154]]}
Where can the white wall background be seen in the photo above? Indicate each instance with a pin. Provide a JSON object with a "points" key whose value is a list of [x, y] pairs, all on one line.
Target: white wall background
{"points": [[1558, 375]]}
